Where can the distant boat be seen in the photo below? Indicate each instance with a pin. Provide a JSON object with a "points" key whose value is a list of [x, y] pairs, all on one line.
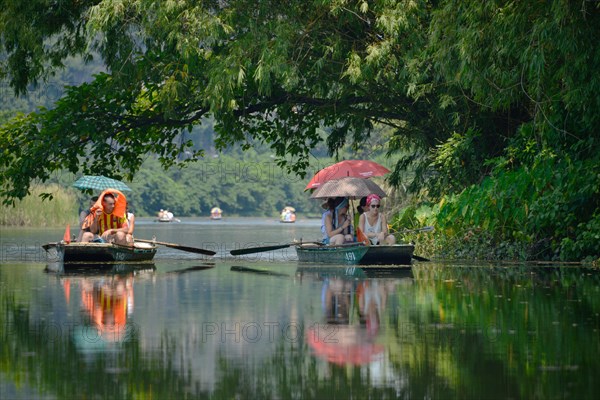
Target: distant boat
{"points": [[216, 213], [166, 216], [288, 215]]}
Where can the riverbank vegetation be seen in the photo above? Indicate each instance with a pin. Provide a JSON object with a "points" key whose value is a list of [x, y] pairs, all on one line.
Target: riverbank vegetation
{"points": [[34, 211], [492, 106]]}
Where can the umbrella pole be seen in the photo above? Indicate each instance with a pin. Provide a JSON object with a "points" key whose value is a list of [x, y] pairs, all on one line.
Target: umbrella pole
{"points": [[354, 220]]}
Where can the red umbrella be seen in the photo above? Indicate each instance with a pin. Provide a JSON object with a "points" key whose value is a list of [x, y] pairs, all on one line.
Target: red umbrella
{"points": [[347, 168]]}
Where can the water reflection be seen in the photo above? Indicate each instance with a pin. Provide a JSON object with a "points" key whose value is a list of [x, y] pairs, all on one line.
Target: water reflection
{"points": [[438, 332], [106, 300], [353, 308]]}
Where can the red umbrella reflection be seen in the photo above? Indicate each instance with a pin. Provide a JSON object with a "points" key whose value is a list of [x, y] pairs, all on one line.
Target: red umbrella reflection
{"points": [[347, 168]]}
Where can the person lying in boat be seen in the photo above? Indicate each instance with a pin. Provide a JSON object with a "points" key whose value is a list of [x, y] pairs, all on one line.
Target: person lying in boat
{"points": [[338, 227], [106, 224], [374, 224], [83, 215]]}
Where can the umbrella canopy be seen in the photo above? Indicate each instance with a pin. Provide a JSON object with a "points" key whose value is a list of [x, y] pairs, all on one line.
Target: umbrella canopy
{"points": [[346, 169], [99, 182], [347, 187]]}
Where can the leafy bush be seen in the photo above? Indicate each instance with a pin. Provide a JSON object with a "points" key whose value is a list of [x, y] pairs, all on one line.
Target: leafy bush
{"points": [[545, 211]]}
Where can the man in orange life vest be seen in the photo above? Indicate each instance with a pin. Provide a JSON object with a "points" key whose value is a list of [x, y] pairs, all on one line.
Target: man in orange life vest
{"points": [[110, 228]]}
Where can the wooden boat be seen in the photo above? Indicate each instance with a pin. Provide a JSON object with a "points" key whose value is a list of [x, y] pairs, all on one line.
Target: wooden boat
{"points": [[166, 216], [99, 252], [216, 213], [346, 254], [166, 219], [397, 254], [288, 215]]}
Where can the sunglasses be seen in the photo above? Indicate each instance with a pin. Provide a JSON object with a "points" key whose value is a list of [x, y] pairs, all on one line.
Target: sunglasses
{"points": [[375, 205]]}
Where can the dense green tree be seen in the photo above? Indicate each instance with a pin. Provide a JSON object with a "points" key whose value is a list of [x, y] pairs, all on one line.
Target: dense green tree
{"points": [[265, 73], [478, 94]]}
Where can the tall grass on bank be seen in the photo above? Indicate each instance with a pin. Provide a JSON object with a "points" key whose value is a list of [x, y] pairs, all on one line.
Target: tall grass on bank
{"points": [[32, 211]]}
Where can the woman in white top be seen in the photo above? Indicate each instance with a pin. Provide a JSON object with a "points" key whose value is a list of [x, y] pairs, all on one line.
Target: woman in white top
{"points": [[374, 224]]}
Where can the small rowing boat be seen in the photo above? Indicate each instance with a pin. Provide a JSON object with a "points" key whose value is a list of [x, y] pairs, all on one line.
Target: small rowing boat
{"points": [[99, 252], [396, 254], [344, 254]]}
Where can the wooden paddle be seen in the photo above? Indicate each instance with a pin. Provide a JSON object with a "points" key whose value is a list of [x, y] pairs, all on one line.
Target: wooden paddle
{"points": [[180, 247], [252, 250], [423, 229]]}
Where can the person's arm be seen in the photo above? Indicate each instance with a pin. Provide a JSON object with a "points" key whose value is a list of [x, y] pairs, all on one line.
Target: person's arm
{"points": [[82, 216], [329, 226], [131, 224], [94, 227]]}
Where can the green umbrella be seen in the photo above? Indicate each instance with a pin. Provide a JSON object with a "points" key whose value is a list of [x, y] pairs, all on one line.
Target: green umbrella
{"points": [[99, 182]]}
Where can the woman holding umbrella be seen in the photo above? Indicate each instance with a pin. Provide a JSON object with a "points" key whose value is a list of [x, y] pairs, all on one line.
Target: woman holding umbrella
{"points": [[338, 229]]}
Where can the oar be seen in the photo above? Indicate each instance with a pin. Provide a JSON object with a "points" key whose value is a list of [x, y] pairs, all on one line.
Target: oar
{"points": [[423, 229], [180, 247], [419, 258], [252, 250], [48, 246]]}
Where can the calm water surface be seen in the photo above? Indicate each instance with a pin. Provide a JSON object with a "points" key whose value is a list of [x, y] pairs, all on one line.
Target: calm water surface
{"points": [[265, 326]]}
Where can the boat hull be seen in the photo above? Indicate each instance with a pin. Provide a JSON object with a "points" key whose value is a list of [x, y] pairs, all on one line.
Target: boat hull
{"points": [[348, 255], [101, 252], [397, 254]]}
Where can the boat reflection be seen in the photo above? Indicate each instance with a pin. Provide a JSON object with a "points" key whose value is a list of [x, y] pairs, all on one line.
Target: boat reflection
{"points": [[91, 269], [353, 305]]}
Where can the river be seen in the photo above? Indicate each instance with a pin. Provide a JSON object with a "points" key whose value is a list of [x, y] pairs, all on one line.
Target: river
{"points": [[266, 326]]}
